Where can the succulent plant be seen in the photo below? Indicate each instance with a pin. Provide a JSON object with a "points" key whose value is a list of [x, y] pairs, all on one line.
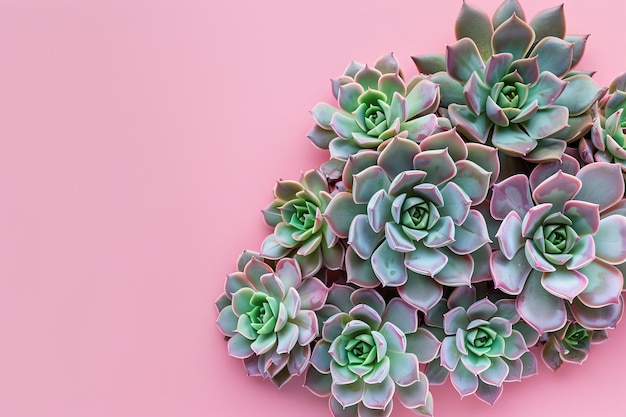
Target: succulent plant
{"points": [[607, 142], [269, 316], [409, 217], [369, 351], [375, 105], [561, 243], [484, 344], [510, 83], [300, 230], [570, 344]]}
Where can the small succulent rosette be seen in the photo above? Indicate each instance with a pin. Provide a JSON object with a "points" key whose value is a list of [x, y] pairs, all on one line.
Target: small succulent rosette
{"points": [[409, 218], [375, 104], [270, 316], [484, 344], [510, 83], [607, 139], [300, 230], [369, 352], [559, 244], [571, 344]]}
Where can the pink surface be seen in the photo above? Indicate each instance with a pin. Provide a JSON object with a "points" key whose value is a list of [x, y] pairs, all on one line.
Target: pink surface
{"points": [[139, 141]]}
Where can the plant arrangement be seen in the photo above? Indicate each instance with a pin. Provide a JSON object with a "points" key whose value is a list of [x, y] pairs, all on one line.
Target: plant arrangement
{"points": [[469, 220]]}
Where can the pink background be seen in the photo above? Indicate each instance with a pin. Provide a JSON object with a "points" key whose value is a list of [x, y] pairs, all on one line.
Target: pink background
{"points": [[139, 141]]}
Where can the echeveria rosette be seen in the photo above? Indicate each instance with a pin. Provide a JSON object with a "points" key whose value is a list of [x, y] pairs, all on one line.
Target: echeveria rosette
{"points": [[509, 83], [571, 344], [370, 351], [484, 344], [607, 140], [561, 243], [375, 104], [409, 218], [300, 230], [270, 317]]}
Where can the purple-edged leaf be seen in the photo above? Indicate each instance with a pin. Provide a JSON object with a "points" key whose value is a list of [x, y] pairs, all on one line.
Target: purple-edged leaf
{"points": [[602, 183], [348, 394], [344, 125], [610, 239], [423, 98], [476, 92], [541, 172], [355, 164], [239, 347], [513, 139], [528, 69], [536, 259], [318, 383], [370, 298], [387, 64], [550, 355], [506, 10], [456, 203], [534, 219], [321, 137], [496, 114], [348, 96], [313, 294], [585, 216], [473, 180], [323, 114], [497, 67], [580, 94], [473, 23], [513, 36], [457, 272], [362, 238], [465, 382], [404, 369], [339, 410], [368, 182], [557, 190], [424, 260], [462, 297], [486, 157], [477, 128], [546, 122], [227, 321], [287, 338], [437, 164], [360, 271], [554, 55], [488, 393], [378, 396], [366, 314], [272, 249], [605, 284], [414, 395], [391, 83], [404, 183], [583, 252], [429, 63], [483, 309], [402, 315], [397, 156], [450, 355], [471, 235], [512, 194], [475, 364], [449, 140], [542, 310], [441, 234], [549, 22], [363, 411], [424, 345], [340, 213], [388, 265], [509, 235], [367, 77], [601, 318], [421, 291], [462, 59], [564, 283], [454, 320], [395, 338], [496, 373], [420, 128]]}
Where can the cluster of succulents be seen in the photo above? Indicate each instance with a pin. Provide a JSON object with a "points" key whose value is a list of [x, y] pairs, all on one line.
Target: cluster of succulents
{"points": [[468, 221]]}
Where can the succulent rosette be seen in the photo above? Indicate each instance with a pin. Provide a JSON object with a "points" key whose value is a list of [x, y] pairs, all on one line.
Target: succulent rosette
{"points": [[509, 83], [484, 344], [300, 230], [375, 104], [270, 316], [409, 220], [571, 344], [559, 242], [370, 351], [607, 141]]}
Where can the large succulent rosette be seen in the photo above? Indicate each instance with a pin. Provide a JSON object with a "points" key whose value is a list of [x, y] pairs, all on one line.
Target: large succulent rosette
{"points": [[484, 344], [269, 316], [559, 244], [375, 105], [300, 230], [408, 218], [510, 84], [370, 351]]}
